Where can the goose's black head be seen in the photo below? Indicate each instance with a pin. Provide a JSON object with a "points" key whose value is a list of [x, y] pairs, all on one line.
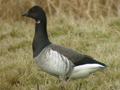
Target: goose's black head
{"points": [[36, 13]]}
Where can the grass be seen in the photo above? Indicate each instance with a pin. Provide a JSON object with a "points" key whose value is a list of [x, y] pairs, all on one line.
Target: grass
{"points": [[89, 9], [96, 38]]}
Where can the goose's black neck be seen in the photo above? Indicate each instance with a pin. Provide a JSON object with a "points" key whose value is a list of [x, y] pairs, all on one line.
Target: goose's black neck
{"points": [[40, 40]]}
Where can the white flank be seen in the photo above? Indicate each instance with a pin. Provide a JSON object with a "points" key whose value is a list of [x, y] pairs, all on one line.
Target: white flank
{"points": [[85, 70], [53, 62]]}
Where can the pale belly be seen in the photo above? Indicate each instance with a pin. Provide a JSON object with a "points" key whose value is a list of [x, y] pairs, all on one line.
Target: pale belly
{"points": [[54, 64]]}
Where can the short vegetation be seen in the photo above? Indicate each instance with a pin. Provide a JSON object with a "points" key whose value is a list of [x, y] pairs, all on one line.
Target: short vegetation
{"points": [[98, 38]]}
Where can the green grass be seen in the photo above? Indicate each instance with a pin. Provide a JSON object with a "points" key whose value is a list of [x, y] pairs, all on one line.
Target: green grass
{"points": [[97, 38]]}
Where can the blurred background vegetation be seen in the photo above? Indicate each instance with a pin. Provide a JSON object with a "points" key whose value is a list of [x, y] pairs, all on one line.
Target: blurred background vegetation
{"points": [[91, 27], [89, 9]]}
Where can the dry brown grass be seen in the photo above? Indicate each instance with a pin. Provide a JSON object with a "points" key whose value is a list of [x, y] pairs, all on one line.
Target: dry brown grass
{"points": [[91, 9], [97, 38]]}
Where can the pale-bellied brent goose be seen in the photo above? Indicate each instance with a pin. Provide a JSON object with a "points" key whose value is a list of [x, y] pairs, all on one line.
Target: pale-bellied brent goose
{"points": [[55, 59]]}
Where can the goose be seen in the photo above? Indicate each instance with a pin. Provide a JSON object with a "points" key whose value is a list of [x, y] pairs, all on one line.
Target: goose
{"points": [[58, 60]]}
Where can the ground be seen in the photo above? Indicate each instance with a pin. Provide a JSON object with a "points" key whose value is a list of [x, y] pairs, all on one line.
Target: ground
{"points": [[99, 39]]}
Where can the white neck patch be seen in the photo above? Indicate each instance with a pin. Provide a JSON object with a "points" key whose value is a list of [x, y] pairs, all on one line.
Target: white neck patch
{"points": [[38, 21]]}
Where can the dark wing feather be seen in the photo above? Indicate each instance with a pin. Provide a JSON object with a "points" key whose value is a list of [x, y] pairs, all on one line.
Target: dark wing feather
{"points": [[75, 57]]}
